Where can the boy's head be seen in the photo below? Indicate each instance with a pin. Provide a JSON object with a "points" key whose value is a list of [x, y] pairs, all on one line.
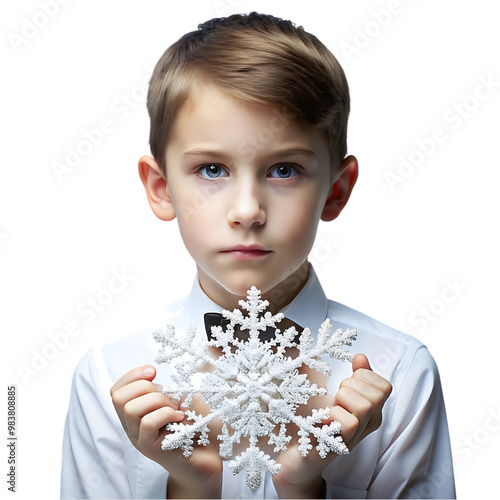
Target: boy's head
{"points": [[248, 129], [255, 58]]}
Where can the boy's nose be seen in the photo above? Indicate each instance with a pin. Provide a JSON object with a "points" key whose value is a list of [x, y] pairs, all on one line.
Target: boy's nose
{"points": [[247, 209]]}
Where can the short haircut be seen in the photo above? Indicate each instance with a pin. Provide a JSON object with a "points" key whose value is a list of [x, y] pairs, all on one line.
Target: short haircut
{"points": [[256, 58]]}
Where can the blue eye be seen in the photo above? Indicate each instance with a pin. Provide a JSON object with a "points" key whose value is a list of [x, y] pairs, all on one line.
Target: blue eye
{"points": [[283, 171], [212, 171]]}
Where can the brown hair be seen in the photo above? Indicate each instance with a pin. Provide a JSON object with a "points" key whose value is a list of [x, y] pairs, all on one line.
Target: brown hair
{"points": [[256, 58]]}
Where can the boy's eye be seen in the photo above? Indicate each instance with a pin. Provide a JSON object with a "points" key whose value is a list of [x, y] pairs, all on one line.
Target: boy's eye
{"points": [[212, 171], [283, 171]]}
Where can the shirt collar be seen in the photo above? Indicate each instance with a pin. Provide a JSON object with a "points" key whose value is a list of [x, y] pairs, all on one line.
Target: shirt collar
{"points": [[308, 309]]}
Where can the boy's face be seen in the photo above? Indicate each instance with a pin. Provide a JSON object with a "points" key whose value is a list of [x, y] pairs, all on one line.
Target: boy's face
{"points": [[248, 186]]}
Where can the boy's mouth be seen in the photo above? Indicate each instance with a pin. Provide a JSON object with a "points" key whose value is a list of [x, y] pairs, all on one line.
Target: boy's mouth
{"points": [[251, 252]]}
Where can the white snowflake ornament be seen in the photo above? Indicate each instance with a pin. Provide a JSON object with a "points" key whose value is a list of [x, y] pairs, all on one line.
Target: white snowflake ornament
{"points": [[254, 387]]}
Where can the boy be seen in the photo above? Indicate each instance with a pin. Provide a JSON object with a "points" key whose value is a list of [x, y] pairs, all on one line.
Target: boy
{"points": [[250, 114]]}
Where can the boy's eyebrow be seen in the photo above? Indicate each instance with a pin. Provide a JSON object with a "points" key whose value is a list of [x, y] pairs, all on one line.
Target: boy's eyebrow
{"points": [[203, 152], [292, 151]]}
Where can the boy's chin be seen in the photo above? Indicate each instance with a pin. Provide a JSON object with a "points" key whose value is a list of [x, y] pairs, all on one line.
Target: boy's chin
{"points": [[227, 291], [277, 284], [240, 290]]}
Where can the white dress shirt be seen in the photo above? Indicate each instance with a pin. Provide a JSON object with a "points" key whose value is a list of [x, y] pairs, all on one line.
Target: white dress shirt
{"points": [[407, 457]]}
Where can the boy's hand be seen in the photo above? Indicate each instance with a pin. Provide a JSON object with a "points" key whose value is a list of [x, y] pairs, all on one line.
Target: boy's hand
{"points": [[144, 412], [358, 407]]}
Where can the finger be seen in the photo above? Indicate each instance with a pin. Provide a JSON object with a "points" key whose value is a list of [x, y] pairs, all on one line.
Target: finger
{"points": [[135, 409], [152, 423], [122, 396], [368, 391], [367, 407], [375, 380], [349, 423], [360, 361], [146, 372], [355, 404]]}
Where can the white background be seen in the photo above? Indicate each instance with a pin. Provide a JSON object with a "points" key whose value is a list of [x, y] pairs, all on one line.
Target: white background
{"points": [[390, 253]]}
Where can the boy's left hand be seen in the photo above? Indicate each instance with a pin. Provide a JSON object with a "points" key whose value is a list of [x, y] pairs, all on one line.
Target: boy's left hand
{"points": [[358, 407]]}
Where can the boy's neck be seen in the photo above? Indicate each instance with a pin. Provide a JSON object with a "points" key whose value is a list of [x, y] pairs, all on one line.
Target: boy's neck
{"points": [[279, 296]]}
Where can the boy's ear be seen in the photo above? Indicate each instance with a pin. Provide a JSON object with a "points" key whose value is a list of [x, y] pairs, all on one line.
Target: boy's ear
{"points": [[156, 188], [341, 189]]}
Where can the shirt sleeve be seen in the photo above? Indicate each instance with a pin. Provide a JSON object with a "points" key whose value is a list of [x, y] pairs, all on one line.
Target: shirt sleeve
{"points": [[416, 456], [99, 461], [93, 463]]}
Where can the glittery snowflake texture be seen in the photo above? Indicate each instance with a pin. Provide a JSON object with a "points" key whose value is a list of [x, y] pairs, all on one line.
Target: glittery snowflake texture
{"points": [[253, 387]]}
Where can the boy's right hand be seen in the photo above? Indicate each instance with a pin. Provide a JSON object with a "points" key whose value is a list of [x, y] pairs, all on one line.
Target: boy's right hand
{"points": [[144, 412]]}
